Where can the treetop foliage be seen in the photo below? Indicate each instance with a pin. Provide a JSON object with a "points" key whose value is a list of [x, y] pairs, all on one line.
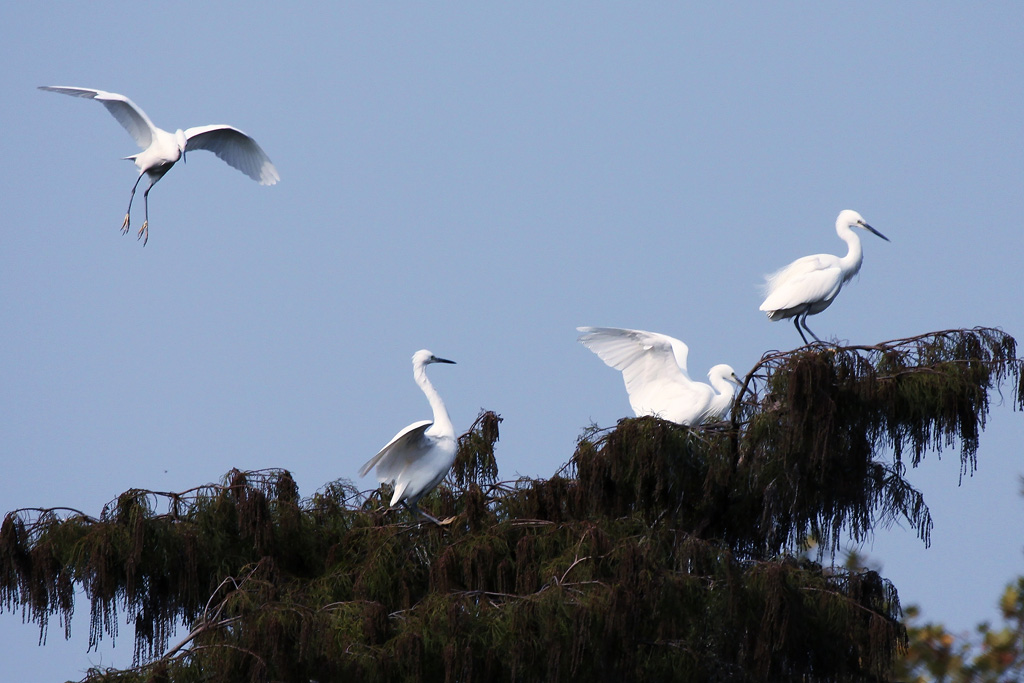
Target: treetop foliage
{"points": [[658, 552]]}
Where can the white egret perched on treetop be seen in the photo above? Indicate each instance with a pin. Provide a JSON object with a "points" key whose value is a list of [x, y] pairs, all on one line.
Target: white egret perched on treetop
{"points": [[161, 150], [653, 367], [419, 456], [809, 285]]}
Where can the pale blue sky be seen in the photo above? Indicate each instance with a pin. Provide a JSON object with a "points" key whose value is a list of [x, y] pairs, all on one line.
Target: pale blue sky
{"points": [[479, 179]]}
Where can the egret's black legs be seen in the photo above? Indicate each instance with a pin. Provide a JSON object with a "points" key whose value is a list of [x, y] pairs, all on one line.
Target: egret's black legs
{"points": [[144, 230], [796, 324], [804, 322], [415, 509], [128, 213]]}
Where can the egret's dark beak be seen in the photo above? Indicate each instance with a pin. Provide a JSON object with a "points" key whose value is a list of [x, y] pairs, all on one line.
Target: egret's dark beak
{"points": [[442, 360], [870, 229]]}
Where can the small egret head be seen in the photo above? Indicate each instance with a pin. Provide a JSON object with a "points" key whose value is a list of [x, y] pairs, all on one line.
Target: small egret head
{"points": [[725, 372], [855, 220], [179, 137], [424, 357]]}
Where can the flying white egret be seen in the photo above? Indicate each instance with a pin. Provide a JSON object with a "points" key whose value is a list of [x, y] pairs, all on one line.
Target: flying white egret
{"points": [[809, 285], [419, 456], [161, 150], [653, 367]]}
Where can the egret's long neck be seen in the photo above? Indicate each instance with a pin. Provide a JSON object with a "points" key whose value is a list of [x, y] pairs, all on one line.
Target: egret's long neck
{"points": [[723, 398], [442, 423], [854, 255]]}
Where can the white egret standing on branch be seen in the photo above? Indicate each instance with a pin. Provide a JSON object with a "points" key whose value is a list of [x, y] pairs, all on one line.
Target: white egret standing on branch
{"points": [[653, 367], [419, 456], [161, 150], [809, 285]]}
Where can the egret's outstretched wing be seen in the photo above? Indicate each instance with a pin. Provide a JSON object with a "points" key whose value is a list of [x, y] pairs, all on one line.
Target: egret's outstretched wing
{"points": [[809, 279], [639, 355], [124, 110], [653, 368], [405, 448], [235, 148]]}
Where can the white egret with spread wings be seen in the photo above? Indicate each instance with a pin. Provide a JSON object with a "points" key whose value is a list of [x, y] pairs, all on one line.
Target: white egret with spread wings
{"points": [[653, 367], [161, 149]]}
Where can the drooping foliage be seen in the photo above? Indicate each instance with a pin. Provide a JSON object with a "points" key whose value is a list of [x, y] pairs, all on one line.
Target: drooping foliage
{"points": [[657, 553], [832, 429]]}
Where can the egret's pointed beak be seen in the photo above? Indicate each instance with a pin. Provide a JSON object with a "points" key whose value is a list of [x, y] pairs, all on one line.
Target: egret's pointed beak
{"points": [[870, 229], [442, 360]]}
